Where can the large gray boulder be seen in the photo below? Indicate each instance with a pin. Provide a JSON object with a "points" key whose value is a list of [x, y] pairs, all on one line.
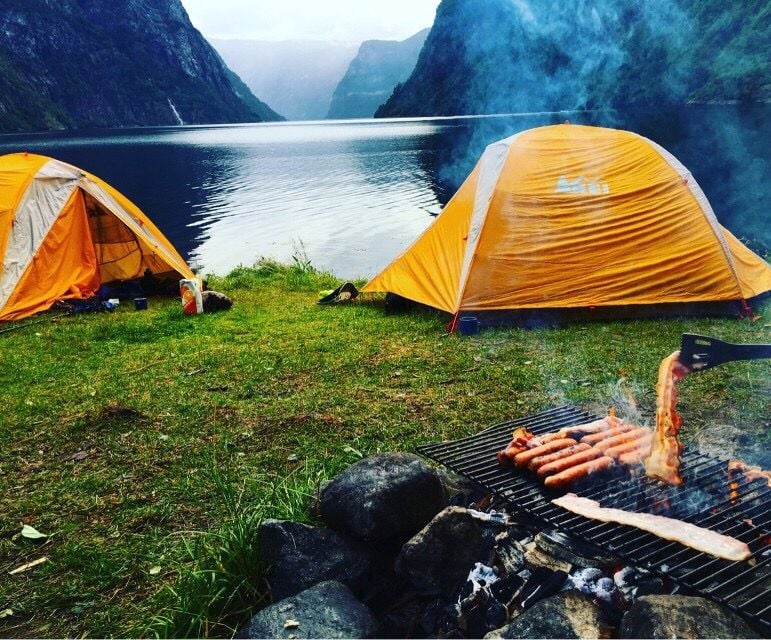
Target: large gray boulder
{"points": [[567, 615], [438, 558], [392, 495], [328, 610], [298, 556], [681, 617]]}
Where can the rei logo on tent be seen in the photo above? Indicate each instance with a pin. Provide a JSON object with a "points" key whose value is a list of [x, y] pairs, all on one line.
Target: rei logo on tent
{"points": [[581, 185]]}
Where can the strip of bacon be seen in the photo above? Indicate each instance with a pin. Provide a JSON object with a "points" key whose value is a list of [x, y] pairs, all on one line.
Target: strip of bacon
{"points": [[664, 460], [704, 540]]}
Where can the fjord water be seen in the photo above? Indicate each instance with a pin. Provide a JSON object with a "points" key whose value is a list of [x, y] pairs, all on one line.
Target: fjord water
{"points": [[354, 194]]}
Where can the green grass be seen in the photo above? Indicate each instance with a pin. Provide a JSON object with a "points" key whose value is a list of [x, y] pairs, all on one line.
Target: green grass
{"points": [[193, 429]]}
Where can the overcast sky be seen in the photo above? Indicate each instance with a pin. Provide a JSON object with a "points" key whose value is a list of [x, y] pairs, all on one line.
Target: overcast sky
{"points": [[340, 20]]}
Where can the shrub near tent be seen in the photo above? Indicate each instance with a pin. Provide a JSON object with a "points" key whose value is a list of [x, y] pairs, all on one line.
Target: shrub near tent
{"points": [[568, 217], [64, 232]]}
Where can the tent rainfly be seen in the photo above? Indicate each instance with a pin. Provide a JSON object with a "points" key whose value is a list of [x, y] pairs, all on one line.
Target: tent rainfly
{"points": [[64, 232], [569, 216]]}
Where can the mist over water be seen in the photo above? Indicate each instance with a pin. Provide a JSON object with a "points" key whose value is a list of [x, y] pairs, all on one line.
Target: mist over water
{"points": [[356, 194]]}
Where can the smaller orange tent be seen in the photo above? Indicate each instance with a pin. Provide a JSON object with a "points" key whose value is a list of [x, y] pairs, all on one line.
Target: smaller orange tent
{"points": [[569, 217], [64, 232]]}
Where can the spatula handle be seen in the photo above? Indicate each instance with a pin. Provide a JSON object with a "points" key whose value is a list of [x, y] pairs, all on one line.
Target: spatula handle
{"points": [[748, 351]]}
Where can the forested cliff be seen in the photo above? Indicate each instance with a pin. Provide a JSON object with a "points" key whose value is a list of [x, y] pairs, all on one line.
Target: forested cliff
{"points": [[501, 56], [99, 63]]}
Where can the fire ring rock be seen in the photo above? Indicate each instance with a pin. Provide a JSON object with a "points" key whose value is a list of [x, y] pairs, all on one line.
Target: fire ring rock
{"points": [[328, 610], [567, 615], [681, 617], [439, 557], [299, 556], [392, 495]]}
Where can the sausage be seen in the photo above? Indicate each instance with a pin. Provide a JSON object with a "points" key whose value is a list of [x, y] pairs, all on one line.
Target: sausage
{"points": [[524, 458], [635, 457], [620, 449], [569, 476], [535, 463], [506, 457], [551, 437], [594, 438], [571, 461], [623, 438]]}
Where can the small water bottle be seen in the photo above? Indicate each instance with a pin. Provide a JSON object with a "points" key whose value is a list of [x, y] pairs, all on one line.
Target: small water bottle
{"points": [[192, 298]]}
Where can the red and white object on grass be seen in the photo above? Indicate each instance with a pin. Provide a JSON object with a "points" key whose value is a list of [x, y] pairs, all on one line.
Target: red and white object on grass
{"points": [[190, 290]]}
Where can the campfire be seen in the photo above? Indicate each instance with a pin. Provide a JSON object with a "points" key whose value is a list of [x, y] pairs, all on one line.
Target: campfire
{"points": [[561, 524], [743, 513]]}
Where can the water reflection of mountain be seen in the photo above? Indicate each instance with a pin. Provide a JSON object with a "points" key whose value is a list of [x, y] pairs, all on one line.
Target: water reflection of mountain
{"points": [[359, 193], [724, 146]]}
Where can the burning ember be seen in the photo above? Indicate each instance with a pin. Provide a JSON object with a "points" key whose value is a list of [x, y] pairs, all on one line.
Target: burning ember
{"points": [[664, 460]]}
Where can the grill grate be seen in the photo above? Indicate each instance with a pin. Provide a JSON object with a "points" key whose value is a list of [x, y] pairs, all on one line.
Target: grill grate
{"points": [[741, 509]]}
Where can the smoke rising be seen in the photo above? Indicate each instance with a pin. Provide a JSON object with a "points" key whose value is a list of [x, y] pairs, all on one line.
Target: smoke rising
{"points": [[640, 66]]}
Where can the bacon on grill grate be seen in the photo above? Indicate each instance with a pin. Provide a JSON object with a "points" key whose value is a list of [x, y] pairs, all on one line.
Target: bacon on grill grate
{"points": [[699, 538]]}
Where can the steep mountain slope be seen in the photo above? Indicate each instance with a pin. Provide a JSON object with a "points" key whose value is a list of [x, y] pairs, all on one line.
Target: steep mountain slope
{"points": [[495, 56], [296, 77], [98, 63], [372, 75]]}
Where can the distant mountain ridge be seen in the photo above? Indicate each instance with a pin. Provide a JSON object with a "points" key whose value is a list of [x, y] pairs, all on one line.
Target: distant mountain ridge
{"points": [[502, 56], [377, 68], [296, 77], [99, 63]]}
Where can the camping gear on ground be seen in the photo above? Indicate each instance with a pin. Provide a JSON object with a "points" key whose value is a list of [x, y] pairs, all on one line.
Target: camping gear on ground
{"points": [[569, 217], [344, 293], [140, 304], [65, 232], [699, 353], [468, 325], [190, 292]]}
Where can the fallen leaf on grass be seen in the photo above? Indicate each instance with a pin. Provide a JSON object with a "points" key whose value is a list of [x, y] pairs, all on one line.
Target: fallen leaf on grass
{"points": [[28, 566], [154, 571], [31, 533], [6, 613]]}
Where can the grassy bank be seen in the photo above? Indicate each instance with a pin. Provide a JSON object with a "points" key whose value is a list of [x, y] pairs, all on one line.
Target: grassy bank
{"points": [[147, 446]]}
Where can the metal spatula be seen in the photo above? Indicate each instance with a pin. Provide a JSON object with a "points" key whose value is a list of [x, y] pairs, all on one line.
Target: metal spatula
{"points": [[702, 352]]}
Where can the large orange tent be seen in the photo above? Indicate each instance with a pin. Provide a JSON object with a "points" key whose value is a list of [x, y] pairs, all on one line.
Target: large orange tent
{"points": [[64, 232], [569, 216]]}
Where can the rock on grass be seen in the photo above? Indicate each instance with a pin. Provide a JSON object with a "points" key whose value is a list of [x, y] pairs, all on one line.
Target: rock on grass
{"points": [[328, 610], [387, 496], [298, 556]]}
